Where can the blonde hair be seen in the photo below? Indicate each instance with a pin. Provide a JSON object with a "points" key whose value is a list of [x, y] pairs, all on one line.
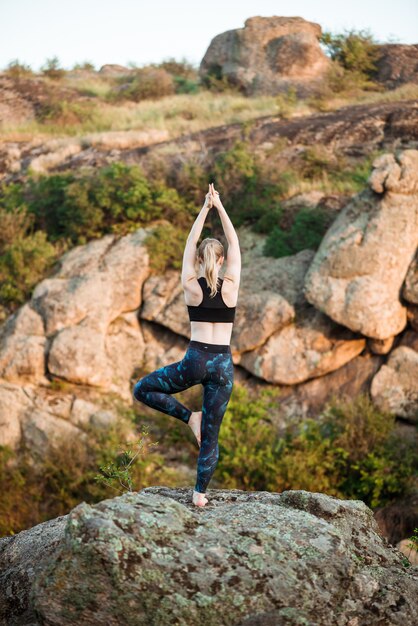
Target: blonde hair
{"points": [[209, 252]]}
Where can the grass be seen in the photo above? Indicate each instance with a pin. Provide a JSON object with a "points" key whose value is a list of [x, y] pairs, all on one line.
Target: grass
{"points": [[185, 113]]}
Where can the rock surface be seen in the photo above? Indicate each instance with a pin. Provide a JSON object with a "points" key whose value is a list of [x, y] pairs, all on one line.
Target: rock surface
{"points": [[397, 64], [268, 55], [395, 386], [70, 325], [353, 130], [40, 417], [309, 347], [246, 558], [357, 273]]}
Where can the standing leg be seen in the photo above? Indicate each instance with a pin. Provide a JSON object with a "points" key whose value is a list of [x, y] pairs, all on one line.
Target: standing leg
{"points": [[155, 389], [215, 401]]}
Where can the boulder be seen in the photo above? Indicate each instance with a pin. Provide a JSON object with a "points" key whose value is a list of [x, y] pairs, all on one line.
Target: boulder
{"points": [[397, 64], [69, 327], [40, 417], [307, 399], [395, 386], [246, 558], [359, 268], [23, 346], [311, 346], [268, 55], [410, 288]]}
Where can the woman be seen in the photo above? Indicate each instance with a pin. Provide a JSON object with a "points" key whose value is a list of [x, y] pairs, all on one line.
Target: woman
{"points": [[208, 359]]}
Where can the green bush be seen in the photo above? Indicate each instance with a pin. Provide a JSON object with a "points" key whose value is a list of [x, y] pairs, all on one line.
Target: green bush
{"points": [[15, 69], [25, 256], [52, 69], [165, 246], [22, 265], [356, 51], [354, 55], [114, 199], [248, 450], [306, 232], [35, 488], [352, 450], [184, 74], [53, 110], [143, 83], [248, 196]]}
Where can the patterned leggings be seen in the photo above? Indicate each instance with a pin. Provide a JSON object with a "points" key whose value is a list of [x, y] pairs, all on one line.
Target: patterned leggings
{"points": [[203, 363]]}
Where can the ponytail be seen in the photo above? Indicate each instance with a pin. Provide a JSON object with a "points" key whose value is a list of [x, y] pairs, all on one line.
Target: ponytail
{"points": [[210, 251]]}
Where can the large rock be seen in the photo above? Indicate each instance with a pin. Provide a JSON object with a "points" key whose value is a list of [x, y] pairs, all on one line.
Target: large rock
{"points": [[358, 271], [311, 346], [410, 288], [268, 55], [395, 386], [23, 346], [397, 64], [246, 558], [68, 328], [39, 417]]}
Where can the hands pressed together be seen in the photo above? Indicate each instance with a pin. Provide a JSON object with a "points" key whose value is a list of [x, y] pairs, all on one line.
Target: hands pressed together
{"points": [[212, 198]]}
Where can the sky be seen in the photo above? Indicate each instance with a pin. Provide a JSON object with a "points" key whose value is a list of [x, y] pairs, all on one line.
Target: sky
{"points": [[150, 31]]}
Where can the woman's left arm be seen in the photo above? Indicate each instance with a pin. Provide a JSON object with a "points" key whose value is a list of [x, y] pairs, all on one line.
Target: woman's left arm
{"points": [[189, 257]]}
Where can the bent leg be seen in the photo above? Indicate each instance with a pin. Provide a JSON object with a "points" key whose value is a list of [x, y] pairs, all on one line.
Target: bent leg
{"points": [[215, 402], [155, 389]]}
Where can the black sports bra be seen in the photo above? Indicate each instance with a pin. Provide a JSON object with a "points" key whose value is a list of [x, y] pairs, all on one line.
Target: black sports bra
{"points": [[211, 309]]}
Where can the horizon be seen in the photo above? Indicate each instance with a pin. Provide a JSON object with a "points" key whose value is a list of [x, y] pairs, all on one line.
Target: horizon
{"points": [[77, 33]]}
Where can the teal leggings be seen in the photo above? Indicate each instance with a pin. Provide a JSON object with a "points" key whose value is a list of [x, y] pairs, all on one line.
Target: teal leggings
{"points": [[207, 364]]}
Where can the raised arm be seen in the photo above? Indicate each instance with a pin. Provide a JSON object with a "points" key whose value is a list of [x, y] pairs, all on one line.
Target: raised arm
{"points": [[233, 261], [188, 271]]}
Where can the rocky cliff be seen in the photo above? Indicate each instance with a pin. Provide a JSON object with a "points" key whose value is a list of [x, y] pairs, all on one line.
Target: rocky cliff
{"points": [[247, 558], [343, 318], [353, 131]]}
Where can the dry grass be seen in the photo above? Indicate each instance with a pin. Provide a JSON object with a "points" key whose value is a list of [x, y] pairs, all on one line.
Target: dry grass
{"points": [[181, 114]]}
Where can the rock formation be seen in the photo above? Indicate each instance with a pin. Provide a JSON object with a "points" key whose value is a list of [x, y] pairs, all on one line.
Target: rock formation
{"points": [[268, 55], [41, 417], [246, 558], [354, 131], [397, 64], [358, 271], [78, 320], [395, 388], [332, 319]]}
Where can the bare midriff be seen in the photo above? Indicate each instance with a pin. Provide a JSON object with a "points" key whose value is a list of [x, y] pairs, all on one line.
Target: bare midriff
{"points": [[212, 332]]}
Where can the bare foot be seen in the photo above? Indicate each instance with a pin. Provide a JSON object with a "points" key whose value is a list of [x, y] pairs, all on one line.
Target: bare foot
{"points": [[195, 422], [199, 499]]}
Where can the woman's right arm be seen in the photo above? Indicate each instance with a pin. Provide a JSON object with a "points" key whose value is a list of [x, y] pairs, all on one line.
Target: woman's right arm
{"points": [[229, 230], [233, 261]]}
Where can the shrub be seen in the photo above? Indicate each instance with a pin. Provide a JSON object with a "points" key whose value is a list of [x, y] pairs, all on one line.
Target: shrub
{"points": [[306, 232], [25, 256], [165, 245], [356, 51], [114, 199], [247, 449], [143, 83], [354, 55], [55, 110], [184, 74], [52, 69], [41, 487], [86, 65], [15, 69], [22, 265], [351, 450]]}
